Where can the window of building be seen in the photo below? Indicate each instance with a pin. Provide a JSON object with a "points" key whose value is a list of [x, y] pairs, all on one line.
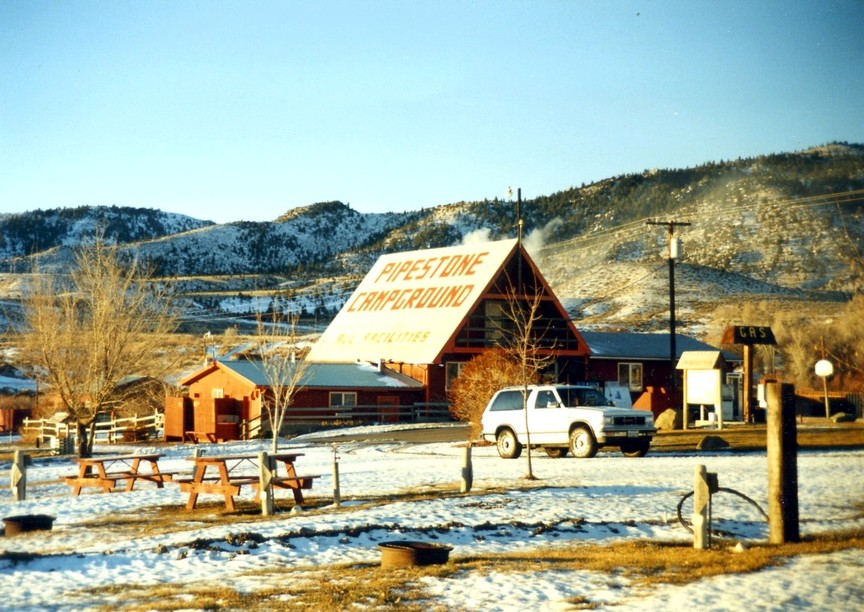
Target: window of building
{"points": [[630, 376], [452, 371], [495, 321], [218, 393], [343, 398]]}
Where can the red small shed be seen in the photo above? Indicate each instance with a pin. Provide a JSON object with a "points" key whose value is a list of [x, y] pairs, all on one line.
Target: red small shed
{"points": [[224, 399]]}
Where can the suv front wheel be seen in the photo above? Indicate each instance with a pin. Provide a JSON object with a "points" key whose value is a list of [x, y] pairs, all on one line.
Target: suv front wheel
{"points": [[582, 443], [508, 446]]}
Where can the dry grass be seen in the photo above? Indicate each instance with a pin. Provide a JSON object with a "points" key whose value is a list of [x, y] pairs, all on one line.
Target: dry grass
{"points": [[644, 564], [815, 434]]}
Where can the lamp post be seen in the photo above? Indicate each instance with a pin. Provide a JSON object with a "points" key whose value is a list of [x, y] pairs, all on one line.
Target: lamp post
{"points": [[824, 369], [674, 252]]}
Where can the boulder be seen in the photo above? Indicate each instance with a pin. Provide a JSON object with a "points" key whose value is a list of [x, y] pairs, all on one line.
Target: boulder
{"points": [[711, 443], [668, 420]]}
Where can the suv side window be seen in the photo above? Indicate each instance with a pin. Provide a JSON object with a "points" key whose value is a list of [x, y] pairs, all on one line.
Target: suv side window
{"points": [[545, 399], [581, 396], [590, 397], [507, 400]]}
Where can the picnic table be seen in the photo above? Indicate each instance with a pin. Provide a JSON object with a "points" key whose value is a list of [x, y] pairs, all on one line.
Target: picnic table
{"points": [[232, 472], [103, 471]]}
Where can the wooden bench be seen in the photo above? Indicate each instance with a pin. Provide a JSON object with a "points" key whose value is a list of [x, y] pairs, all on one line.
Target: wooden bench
{"points": [[195, 437], [161, 477], [106, 483], [109, 481], [214, 485], [295, 483]]}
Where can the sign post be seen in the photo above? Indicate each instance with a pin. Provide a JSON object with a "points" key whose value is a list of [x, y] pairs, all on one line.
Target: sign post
{"points": [[748, 336]]}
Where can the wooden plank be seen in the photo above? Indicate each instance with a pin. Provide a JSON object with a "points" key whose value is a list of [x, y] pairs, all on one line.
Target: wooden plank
{"points": [[294, 483], [209, 487]]}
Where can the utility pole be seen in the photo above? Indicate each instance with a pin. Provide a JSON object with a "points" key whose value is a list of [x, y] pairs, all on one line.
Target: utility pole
{"points": [[674, 253]]}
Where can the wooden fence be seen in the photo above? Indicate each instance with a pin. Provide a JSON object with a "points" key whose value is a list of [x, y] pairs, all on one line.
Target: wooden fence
{"points": [[352, 415], [59, 436], [842, 401]]}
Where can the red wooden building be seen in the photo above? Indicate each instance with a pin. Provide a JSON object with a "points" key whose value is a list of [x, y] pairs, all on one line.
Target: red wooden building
{"points": [[225, 397], [426, 313], [419, 317]]}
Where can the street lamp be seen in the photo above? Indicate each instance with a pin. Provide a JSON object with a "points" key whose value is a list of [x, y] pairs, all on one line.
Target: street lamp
{"points": [[673, 254], [824, 369]]}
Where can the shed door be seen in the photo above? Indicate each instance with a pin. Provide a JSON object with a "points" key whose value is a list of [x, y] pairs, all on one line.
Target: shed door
{"points": [[388, 408]]}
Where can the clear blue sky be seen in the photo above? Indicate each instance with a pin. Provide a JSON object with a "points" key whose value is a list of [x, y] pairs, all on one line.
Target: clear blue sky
{"points": [[243, 110]]}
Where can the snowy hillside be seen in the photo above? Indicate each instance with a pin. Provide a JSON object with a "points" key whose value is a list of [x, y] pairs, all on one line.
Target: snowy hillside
{"points": [[786, 227]]}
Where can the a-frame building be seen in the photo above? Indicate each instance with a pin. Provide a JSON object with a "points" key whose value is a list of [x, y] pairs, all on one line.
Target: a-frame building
{"points": [[426, 313]]}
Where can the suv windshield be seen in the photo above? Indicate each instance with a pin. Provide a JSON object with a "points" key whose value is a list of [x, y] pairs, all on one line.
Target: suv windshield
{"points": [[576, 396]]}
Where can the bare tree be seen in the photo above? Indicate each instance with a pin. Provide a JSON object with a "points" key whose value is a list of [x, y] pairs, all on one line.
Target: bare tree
{"points": [[89, 330], [283, 367], [524, 329]]}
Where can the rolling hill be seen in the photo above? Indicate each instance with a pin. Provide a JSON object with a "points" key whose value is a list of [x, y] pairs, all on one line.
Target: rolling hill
{"points": [[785, 228]]}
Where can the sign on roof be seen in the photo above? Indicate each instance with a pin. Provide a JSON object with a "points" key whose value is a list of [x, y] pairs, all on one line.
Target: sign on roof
{"points": [[409, 304]]}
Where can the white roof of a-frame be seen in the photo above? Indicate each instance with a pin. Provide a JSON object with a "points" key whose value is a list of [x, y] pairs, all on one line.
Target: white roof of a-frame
{"points": [[409, 304]]}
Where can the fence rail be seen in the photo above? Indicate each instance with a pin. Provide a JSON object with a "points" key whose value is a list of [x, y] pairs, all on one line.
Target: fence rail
{"points": [[855, 401], [57, 435], [129, 429], [355, 415], [414, 413]]}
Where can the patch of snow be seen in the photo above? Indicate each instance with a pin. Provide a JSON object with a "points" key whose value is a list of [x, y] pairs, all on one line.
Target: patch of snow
{"points": [[606, 499]]}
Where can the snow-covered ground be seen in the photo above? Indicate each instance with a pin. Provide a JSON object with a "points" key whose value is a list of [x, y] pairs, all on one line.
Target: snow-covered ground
{"points": [[605, 499]]}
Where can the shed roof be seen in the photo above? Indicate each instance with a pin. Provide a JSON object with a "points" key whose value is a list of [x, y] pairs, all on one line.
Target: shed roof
{"points": [[330, 375], [701, 360], [643, 346]]}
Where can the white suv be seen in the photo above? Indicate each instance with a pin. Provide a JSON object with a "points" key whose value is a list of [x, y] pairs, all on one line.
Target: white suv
{"points": [[577, 418]]}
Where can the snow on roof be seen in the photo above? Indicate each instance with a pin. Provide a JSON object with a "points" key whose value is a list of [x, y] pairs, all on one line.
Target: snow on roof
{"points": [[632, 345], [409, 304], [701, 360], [10, 384], [330, 375]]}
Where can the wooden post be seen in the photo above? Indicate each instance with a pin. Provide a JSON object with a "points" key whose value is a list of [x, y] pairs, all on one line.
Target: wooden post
{"points": [[718, 411], [685, 417], [18, 479], [467, 470], [782, 456], [337, 494], [265, 474], [701, 498], [747, 400]]}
